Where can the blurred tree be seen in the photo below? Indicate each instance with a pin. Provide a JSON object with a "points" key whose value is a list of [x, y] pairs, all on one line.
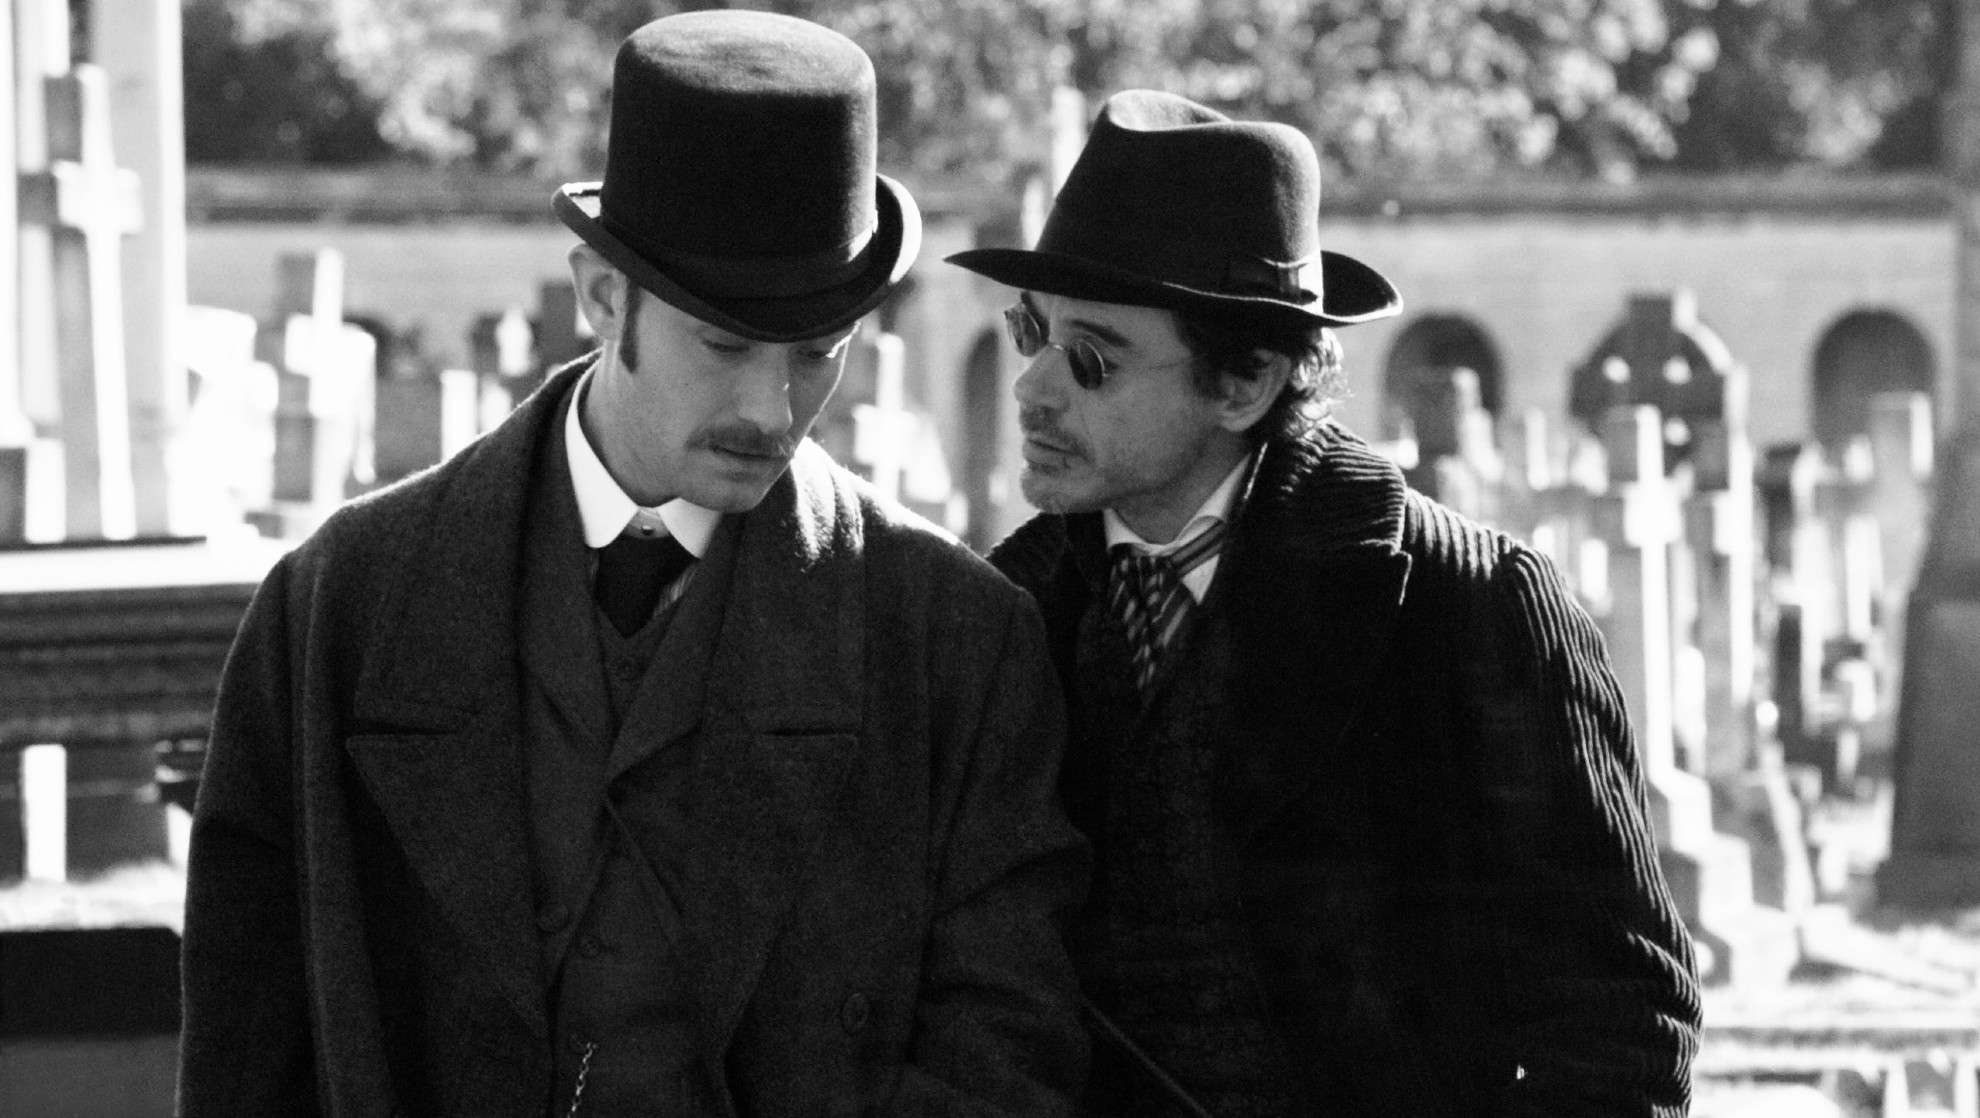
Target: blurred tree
{"points": [[277, 99], [1833, 83], [1388, 88]]}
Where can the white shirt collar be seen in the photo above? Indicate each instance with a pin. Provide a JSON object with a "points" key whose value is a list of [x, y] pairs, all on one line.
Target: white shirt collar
{"points": [[1214, 508], [607, 511]]}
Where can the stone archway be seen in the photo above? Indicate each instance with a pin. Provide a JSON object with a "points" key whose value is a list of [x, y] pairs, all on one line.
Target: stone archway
{"points": [[1864, 353], [1420, 361]]}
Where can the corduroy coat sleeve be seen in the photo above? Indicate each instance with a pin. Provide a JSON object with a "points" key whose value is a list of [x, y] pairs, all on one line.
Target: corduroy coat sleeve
{"points": [[1601, 967], [246, 1045]]}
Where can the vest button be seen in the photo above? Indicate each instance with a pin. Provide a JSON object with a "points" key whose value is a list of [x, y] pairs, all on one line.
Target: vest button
{"points": [[625, 669], [854, 1014], [590, 947], [552, 917]]}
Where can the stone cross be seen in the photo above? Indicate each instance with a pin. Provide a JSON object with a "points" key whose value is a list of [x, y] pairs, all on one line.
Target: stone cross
{"points": [[90, 206], [1661, 355], [139, 50], [1710, 874]]}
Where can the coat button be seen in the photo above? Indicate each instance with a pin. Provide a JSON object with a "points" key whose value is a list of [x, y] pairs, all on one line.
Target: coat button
{"points": [[856, 1011], [591, 947], [552, 917]]}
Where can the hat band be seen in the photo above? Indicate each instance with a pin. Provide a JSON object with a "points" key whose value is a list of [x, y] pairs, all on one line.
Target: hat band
{"points": [[754, 277], [1183, 258]]}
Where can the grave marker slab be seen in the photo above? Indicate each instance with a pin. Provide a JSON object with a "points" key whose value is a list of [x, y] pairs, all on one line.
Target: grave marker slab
{"points": [[90, 205], [1935, 822]]}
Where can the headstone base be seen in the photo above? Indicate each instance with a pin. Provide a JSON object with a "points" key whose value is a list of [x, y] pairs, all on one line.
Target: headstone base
{"points": [[1925, 880]]}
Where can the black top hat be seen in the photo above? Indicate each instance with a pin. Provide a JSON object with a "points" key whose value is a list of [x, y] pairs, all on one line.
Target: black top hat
{"points": [[739, 176], [1175, 205]]}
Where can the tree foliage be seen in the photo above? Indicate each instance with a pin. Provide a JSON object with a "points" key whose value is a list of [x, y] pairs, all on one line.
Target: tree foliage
{"points": [[1387, 88]]}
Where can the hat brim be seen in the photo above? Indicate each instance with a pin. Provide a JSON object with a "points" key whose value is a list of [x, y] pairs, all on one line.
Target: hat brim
{"points": [[896, 241], [1351, 292]]}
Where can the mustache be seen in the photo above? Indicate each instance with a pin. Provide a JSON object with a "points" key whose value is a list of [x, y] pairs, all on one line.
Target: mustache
{"points": [[745, 439], [1038, 423]]}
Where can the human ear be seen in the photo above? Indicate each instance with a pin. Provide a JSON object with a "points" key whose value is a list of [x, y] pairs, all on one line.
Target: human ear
{"points": [[600, 291], [1246, 399]]}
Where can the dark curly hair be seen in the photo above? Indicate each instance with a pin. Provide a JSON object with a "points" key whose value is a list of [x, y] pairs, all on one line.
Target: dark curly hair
{"points": [[1229, 344]]}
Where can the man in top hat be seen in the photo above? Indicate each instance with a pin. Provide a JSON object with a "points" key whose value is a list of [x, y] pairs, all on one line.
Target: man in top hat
{"points": [[1369, 825], [638, 760]]}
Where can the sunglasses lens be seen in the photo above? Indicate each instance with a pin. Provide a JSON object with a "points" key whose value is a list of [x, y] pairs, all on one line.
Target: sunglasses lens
{"points": [[1026, 334], [1088, 367]]}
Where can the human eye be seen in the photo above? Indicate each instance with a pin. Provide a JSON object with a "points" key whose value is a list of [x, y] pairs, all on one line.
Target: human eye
{"points": [[826, 349], [725, 346]]}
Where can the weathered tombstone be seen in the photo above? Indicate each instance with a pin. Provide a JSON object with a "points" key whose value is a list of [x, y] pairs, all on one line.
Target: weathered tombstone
{"points": [[327, 369], [1935, 823], [89, 1020], [1710, 873], [223, 458], [1901, 453], [1721, 545], [89, 205], [560, 335], [1801, 601], [1457, 463], [139, 51]]}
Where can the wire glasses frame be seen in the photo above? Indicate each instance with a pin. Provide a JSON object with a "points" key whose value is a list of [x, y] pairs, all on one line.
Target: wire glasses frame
{"points": [[1089, 366]]}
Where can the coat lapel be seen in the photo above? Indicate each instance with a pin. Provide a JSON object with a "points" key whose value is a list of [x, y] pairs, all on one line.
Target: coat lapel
{"points": [[557, 630], [670, 701], [438, 695], [1317, 580], [784, 701]]}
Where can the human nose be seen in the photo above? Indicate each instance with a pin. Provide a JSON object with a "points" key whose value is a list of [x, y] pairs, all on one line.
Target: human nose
{"points": [[763, 396], [1037, 385]]}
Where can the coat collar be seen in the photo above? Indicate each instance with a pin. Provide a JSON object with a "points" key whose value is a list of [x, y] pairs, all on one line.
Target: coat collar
{"points": [[1313, 576], [1318, 575], [445, 640], [784, 653]]}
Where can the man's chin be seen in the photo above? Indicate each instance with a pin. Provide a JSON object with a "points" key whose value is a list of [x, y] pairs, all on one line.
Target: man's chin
{"points": [[1049, 493]]}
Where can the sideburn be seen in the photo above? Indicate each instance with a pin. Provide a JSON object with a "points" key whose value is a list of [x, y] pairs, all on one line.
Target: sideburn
{"points": [[629, 329]]}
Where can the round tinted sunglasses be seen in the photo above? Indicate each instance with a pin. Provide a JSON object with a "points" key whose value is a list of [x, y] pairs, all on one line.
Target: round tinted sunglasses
{"points": [[1089, 366]]}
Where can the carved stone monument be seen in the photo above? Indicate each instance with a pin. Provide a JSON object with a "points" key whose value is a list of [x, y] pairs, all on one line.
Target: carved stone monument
{"points": [[1935, 824]]}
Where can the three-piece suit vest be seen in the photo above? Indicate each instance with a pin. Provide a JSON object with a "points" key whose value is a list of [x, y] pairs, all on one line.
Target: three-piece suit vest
{"points": [[609, 826]]}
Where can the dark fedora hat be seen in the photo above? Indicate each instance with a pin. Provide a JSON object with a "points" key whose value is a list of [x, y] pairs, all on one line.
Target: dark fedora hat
{"points": [[739, 176], [1172, 204]]}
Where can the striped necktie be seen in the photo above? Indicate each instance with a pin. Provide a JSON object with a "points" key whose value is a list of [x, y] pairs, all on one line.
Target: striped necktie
{"points": [[1150, 599]]}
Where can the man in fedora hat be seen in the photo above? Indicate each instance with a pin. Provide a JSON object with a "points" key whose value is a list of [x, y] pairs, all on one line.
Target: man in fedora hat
{"points": [[638, 760], [1369, 826]]}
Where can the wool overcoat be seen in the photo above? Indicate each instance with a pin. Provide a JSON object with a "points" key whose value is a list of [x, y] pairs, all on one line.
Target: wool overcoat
{"points": [[1453, 898], [873, 905]]}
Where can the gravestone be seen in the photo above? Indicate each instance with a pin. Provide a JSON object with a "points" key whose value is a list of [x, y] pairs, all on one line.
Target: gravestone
{"points": [[89, 204], [1797, 557], [1935, 823], [1457, 462], [1665, 397], [326, 380], [1710, 873], [1722, 548], [1901, 452], [89, 1020], [139, 51]]}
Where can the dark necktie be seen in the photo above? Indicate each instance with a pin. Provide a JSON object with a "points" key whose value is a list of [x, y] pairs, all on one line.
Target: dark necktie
{"points": [[1150, 599], [632, 573]]}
